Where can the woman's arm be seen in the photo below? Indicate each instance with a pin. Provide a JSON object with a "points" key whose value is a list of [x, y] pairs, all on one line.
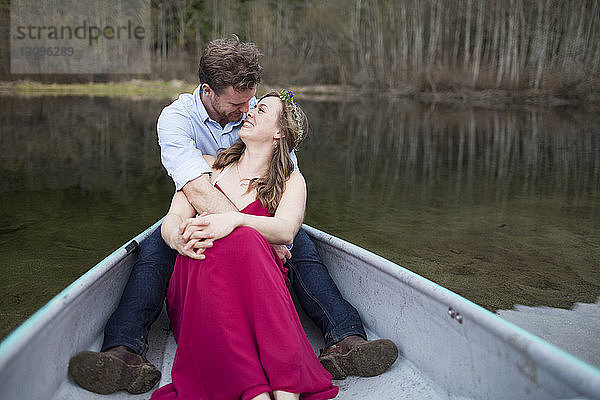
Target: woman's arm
{"points": [[279, 229]]}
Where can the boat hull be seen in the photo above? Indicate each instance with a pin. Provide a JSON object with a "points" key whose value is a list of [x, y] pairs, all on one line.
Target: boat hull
{"points": [[450, 348]]}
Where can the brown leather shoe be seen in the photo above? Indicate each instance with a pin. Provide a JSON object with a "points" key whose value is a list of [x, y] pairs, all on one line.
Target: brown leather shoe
{"points": [[357, 356], [116, 369]]}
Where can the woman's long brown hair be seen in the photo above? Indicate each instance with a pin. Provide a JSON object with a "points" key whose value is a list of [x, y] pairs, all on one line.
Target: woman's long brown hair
{"points": [[270, 187]]}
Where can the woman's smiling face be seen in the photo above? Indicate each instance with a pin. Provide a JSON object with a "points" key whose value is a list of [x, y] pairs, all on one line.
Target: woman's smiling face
{"points": [[262, 122]]}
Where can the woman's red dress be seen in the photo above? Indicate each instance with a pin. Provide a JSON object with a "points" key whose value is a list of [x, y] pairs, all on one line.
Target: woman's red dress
{"points": [[237, 331]]}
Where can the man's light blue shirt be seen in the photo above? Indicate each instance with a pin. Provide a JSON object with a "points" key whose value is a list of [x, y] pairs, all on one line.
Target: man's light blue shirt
{"points": [[186, 132]]}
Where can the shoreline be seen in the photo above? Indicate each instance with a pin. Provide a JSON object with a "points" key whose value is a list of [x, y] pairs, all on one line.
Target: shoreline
{"points": [[135, 88], [145, 89]]}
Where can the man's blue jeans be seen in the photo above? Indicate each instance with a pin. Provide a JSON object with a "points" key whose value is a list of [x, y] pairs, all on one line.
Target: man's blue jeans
{"points": [[144, 294], [318, 295]]}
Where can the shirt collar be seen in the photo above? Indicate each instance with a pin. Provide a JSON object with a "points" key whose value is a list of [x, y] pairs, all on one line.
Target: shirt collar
{"points": [[199, 105]]}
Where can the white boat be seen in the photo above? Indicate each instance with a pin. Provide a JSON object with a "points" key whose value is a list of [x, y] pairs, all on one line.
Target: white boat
{"points": [[450, 348]]}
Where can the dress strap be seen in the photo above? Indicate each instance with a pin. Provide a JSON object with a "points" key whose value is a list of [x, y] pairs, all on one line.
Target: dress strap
{"points": [[223, 171]]}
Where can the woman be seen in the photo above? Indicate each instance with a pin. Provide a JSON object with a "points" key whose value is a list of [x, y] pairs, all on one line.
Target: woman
{"points": [[238, 335]]}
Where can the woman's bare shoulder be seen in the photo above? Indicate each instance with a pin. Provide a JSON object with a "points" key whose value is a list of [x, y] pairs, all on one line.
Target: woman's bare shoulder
{"points": [[296, 178]]}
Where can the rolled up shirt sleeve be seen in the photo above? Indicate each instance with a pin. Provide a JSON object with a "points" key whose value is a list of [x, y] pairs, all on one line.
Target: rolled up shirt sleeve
{"points": [[178, 152]]}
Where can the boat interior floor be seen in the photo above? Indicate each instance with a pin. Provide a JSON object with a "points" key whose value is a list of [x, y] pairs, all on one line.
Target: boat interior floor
{"points": [[402, 378]]}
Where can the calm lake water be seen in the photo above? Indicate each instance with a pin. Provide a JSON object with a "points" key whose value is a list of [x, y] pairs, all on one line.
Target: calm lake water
{"points": [[501, 206]]}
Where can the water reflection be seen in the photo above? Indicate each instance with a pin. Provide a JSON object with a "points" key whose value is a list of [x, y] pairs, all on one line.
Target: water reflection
{"points": [[498, 205], [89, 143], [496, 154]]}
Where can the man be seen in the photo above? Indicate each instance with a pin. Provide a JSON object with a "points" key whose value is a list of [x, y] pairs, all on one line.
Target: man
{"points": [[196, 124]]}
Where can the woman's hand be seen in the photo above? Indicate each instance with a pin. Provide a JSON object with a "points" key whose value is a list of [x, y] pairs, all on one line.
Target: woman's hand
{"points": [[209, 227], [283, 252]]}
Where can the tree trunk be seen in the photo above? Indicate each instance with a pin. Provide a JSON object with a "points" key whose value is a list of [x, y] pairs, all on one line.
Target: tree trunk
{"points": [[467, 46]]}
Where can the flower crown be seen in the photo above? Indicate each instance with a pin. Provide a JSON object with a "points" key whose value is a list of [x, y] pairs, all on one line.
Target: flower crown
{"points": [[287, 96]]}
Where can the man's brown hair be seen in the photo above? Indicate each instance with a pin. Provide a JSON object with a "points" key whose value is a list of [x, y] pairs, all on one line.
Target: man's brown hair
{"points": [[229, 62]]}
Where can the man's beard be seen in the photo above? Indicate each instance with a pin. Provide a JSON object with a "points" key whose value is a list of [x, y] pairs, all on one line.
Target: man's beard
{"points": [[234, 116], [223, 116]]}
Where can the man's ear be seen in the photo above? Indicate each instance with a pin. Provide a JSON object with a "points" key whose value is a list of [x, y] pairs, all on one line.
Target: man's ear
{"points": [[205, 88]]}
